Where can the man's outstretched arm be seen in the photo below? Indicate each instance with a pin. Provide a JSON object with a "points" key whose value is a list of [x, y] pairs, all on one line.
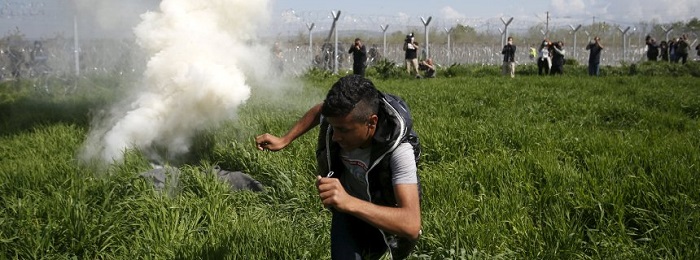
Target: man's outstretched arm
{"points": [[273, 143]]}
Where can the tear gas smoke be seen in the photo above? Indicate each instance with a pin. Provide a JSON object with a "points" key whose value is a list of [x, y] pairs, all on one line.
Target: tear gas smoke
{"points": [[202, 54]]}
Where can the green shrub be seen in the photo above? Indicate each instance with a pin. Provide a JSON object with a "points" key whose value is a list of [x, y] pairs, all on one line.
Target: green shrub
{"points": [[318, 74], [386, 69], [571, 62], [456, 70]]}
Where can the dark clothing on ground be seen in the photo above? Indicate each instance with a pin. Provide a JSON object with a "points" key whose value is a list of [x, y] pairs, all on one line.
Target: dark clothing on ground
{"points": [[359, 58]]}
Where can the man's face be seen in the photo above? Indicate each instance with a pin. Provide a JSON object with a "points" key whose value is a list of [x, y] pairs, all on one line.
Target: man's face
{"points": [[351, 134]]}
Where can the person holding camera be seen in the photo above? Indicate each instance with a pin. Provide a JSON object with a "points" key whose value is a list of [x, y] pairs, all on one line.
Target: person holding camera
{"points": [[359, 57], [557, 58], [509, 58], [682, 49], [595, 49], [652, 48], [544, 59], [410, 46]]}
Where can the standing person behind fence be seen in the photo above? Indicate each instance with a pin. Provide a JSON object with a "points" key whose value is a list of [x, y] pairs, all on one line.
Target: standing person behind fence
{"points": [[411, 47], [17, 60], [682, 49], [544, 60], [359, 57], [595, 49], [672, 47], [663, 49], [509, 58], [558, 53], [38, 57], [652, 49]]}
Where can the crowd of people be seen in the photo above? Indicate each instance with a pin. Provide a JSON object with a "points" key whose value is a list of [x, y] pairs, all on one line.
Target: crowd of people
{"points": [[676, 50], [550, 56], [16, 63]]}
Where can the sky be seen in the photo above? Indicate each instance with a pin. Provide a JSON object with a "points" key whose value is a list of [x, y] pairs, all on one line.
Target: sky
{"points": [[473, 13], [43, 17], [619, 10]]}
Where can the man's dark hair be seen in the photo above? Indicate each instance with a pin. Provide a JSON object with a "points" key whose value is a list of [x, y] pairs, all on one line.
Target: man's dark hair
{"points": [[348, 93]]}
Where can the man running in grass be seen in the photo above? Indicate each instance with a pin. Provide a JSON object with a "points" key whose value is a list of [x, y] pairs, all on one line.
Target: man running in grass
{"points": [[366, 174]]}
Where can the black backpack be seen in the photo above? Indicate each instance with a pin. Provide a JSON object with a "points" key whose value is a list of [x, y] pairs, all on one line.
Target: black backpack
{"points": [[411, 136]]}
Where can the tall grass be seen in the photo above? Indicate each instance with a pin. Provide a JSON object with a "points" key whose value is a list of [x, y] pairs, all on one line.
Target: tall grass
{"points": [[525, 168]]}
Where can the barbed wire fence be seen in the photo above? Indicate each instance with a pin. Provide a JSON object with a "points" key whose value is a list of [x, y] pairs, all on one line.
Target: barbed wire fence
{"points": [[66, 58], [483, 46], [452, 40]]}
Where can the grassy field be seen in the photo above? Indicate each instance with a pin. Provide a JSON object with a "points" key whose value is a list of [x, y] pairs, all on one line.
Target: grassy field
{"points": [[526, 168]]}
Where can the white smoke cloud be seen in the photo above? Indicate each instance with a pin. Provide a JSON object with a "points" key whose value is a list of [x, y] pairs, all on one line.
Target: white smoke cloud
{"points": [[203, 53]]}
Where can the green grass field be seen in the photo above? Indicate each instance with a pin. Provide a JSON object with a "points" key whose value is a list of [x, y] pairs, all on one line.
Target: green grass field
{"points": [[526, 168]]}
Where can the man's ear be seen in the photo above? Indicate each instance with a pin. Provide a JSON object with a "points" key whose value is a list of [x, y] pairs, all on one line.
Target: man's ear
{"points": [[373, 121]]}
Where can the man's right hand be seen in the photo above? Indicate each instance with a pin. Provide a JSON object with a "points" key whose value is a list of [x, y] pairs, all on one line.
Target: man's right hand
{"points": [[270, 142]]}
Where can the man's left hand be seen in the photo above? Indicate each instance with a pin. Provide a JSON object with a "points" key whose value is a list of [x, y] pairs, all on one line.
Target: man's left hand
{"points": [[332, 193]]}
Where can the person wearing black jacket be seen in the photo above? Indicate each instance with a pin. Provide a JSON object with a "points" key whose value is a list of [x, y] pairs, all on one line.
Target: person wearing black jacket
{"points": [[410, 46], [359, 57], [652, 49], [595, 49], [509, 58], [557, 58]]}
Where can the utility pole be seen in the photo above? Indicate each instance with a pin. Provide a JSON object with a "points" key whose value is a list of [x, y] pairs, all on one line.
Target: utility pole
{"points": [[546, 29], [334, 30], [310, 26], [76, 47], [449, 49], [384, 27], [575, 31], [502, 32], [505, 30], [624, 41], [667, 31], [427, 44]]}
